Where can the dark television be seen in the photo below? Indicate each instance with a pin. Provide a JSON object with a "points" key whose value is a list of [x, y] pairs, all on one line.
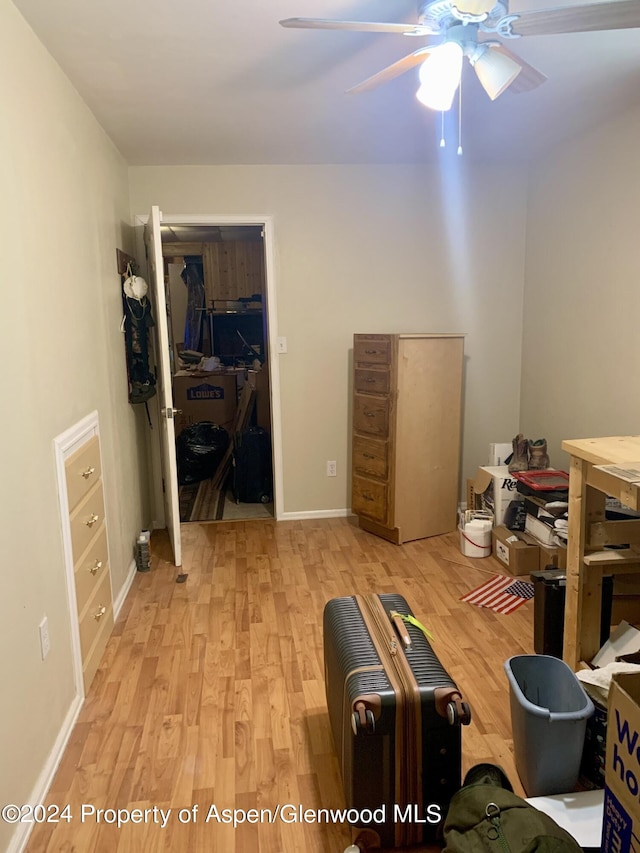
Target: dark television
{"points": [[229, 330]]}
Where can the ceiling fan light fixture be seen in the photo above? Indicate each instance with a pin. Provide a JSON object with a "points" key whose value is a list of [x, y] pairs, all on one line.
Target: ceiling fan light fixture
{"points": [[440, 76], [496, 71]]}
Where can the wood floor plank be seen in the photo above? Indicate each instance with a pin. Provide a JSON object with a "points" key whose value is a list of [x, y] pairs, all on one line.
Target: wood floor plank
{"points": [[211, 692]]}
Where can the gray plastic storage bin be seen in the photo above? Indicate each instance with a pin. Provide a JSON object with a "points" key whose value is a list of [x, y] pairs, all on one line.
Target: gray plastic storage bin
{"points": [[549, 712]]}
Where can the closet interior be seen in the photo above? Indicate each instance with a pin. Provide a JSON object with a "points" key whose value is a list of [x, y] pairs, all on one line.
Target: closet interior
{"points": [[217, 312]]}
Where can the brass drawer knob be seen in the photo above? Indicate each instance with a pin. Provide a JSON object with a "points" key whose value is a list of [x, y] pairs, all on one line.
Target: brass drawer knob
{"points": [[86, 474], [367, 497], [100, 613], [96, 567], [92, 519]]}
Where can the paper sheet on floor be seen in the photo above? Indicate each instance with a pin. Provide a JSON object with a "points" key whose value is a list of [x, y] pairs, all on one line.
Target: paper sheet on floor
{"points": [[580, 814]]}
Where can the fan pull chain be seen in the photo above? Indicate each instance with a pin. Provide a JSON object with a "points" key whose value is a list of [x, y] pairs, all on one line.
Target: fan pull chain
{"points": [[442, 140], [460, 118]]}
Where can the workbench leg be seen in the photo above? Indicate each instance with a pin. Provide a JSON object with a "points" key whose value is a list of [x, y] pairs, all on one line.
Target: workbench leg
{"points": [[584, 585]]}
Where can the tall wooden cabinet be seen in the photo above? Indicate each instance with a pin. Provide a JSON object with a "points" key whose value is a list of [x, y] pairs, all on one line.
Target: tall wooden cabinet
{"points": [[407, 400]]}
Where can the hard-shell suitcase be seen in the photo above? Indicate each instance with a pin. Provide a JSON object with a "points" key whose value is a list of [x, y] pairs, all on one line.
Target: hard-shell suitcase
{"points": [[395, 715], [252, 468]]}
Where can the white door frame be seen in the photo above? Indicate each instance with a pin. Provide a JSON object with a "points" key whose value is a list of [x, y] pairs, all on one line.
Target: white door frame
{"points": [[266, 222]]}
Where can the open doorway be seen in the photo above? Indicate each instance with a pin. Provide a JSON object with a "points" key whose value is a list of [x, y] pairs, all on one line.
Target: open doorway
{"points": [[217, 307]]}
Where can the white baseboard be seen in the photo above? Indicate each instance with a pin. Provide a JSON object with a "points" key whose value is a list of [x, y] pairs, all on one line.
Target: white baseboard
{"points": [[315, 513], [23, 830], [124, 590], [19, 840]]}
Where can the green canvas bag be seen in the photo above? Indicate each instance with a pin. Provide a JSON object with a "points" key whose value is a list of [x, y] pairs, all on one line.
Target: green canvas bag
{"points": [[490, 819]]}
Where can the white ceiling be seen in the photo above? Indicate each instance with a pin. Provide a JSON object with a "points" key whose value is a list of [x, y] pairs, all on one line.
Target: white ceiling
{"points": [[212, 82]]}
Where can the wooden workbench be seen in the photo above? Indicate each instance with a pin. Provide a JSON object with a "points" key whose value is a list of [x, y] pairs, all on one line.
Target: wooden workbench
{"points": [[589, 532]]}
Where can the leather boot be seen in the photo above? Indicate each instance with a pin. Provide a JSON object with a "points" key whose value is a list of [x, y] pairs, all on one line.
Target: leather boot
{"points": [[538, 456], [520, 456]]}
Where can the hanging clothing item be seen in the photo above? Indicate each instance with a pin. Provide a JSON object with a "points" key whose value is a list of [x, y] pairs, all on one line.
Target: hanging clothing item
{"points": [[137, 324], [192, 277]]}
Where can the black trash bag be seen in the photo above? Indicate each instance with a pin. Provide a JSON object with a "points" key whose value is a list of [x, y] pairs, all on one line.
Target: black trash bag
{"points": [[199, 450]]}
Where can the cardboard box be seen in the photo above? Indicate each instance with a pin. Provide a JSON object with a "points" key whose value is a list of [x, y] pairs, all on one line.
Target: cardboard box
{"points": [[493, 490], [622, 766], [520, 556], [207, 397], [551, 555], [228, 305]]}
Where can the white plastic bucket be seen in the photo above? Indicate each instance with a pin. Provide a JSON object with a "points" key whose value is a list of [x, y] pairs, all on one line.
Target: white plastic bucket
{"points": [[475, 538]]}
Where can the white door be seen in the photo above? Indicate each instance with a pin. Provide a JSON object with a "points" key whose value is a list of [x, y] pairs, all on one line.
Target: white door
{"points": [[153, 239]]}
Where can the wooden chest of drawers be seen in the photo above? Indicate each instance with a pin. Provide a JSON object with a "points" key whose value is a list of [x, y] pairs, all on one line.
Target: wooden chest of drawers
{"points": [[407, 398]]}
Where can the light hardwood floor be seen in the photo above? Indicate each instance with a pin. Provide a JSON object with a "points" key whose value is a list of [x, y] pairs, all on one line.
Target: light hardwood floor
{"points": [[212, 691]]}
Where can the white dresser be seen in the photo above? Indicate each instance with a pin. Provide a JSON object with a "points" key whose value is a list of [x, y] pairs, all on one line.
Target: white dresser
{"points": [[85, 537]]}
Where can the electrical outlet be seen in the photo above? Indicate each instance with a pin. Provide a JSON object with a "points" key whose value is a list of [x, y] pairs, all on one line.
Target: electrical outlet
{"points": [[331, 468], [45, 643], [282, 345]]}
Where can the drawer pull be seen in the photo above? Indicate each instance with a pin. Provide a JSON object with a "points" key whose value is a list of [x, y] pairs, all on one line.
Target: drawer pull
{"points": [[100, 613], [86, 474], [367, 497], [370, 414], [370, 380], [92, 519], [372, 352], [96, 567], [368, 456]]}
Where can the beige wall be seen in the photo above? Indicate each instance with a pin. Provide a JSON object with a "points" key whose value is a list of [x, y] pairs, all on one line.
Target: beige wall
{"points": [[582, 301], [373, 249], [63, 211]]}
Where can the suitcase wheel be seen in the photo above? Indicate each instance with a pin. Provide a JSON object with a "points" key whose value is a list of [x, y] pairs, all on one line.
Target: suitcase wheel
{"points": [[458, 713], [367, 840], [363, 726]]}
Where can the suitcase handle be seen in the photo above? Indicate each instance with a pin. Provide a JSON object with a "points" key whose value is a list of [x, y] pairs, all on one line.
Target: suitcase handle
{"points": [[401, 629]]}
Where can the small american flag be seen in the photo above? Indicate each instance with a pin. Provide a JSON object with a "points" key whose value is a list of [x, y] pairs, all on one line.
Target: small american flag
{"points": [[500, 594]]}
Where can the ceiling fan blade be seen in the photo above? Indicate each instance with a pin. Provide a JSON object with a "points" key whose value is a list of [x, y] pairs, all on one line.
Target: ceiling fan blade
{"points": [[623, 14], [474, 7], [529, 77], [357, 26], [391, 71]]}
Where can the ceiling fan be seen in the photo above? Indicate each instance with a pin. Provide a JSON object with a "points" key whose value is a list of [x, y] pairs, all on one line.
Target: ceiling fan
{"points": [[472, 29]]}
